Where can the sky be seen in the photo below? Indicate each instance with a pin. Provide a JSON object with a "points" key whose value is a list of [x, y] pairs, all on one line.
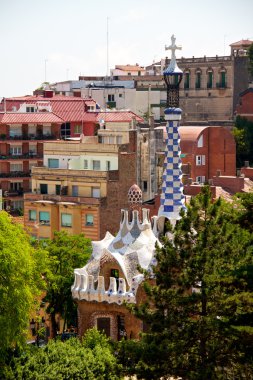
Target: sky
{"points": [[58, 40]]}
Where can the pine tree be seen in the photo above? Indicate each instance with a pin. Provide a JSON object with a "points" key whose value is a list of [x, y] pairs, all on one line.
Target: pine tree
{"points": [[199, 310]]}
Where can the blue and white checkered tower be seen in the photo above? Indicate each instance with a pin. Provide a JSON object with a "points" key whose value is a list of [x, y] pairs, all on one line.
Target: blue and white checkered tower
{"points": [[172, 197]]}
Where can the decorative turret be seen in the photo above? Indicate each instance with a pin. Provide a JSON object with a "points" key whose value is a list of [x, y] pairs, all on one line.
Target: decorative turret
{"points": [[172, 198], [133, 247]]}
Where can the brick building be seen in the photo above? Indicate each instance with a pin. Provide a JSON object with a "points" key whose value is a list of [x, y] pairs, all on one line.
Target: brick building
{"points": [[245, 106]]}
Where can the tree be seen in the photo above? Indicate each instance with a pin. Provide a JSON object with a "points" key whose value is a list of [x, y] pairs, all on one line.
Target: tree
{"points": [[200, 310], [243, 134], [91, 359], [21, 268], [65, 252], [250, 54]]}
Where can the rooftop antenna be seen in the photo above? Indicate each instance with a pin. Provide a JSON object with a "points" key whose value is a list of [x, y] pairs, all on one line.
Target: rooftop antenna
{"points": [[107, 46], [46, 60]]}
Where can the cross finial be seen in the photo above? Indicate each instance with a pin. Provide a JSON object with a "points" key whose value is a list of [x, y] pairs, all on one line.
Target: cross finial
{"points": [[173, 47]]}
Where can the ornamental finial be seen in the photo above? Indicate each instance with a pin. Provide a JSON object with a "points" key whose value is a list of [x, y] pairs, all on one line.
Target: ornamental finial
{"points": [[173, 47]]}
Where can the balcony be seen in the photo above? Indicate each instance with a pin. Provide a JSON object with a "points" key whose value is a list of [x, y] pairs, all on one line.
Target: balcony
{"points": [[26, 137], [15, 175], [111, 104], [12, 193], [221, 85], [32, 197], [21, 156]]}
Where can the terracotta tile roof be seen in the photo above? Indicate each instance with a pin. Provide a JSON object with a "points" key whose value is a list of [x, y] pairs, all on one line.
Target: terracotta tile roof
{"points": [[68, 108], [242, 43], [26, 118]]}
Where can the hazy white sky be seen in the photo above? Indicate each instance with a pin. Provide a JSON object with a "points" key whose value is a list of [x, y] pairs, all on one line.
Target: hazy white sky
{"points": [[69, 37]]}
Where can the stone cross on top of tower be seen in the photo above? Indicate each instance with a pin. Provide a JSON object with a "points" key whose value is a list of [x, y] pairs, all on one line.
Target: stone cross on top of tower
{"points": [[173, 47], [173, 68]]}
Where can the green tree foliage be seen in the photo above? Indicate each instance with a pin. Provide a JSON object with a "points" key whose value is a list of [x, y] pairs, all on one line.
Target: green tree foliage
{"points": [[91, 359], [21, 267], [200, 310], [243, 134], [65, 253], [250, 54]]}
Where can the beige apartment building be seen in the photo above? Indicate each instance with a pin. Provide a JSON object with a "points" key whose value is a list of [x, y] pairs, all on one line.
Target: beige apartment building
{"points": [[79, 188]]}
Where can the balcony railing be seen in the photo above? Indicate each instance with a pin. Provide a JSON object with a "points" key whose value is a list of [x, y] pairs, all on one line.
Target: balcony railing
{"points": [[15, 174], [4, 137], [20, 156], [221, 85]]}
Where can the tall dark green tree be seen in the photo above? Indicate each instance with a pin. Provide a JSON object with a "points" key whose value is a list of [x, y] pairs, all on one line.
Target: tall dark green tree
{"points": [[199, 311], [243, 134], [65, 253], [250, 54]]}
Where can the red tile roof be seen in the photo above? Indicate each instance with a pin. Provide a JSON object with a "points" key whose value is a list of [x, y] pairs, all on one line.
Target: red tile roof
{"points": [[26, 118], [69, 108], [72, 109], [242, 43]]}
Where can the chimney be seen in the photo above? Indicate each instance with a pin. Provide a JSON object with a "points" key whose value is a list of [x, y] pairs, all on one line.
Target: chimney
{"points": [[218, 173], [48, 93], [246, 164]]}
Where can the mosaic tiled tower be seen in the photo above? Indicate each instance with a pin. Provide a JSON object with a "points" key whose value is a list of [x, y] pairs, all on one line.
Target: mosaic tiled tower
{"points": [[172, 197]]}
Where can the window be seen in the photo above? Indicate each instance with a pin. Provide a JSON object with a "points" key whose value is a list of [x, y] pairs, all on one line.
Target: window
{"points": [[200, 142], [16, 186], [85, 164], [74, 191], [15, 131], [145, 186], [187, 81], [111, 139], [43, 188], [46, 130], [115, 274], [96, 165], [32, 150], [223, 79], [66, 220], [65, 130], [96, 192], [104, 324], [16, 150], [16, 167], [32, 215], [209, 79], [58, 189], [198, 80], [44, 218], [53, 163], [89, 220], [118, 139], [108, 165], [16, 205], [111, 98], [30, 109], [78, 129], [201, 179], [200, 160], [120, 95]]}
